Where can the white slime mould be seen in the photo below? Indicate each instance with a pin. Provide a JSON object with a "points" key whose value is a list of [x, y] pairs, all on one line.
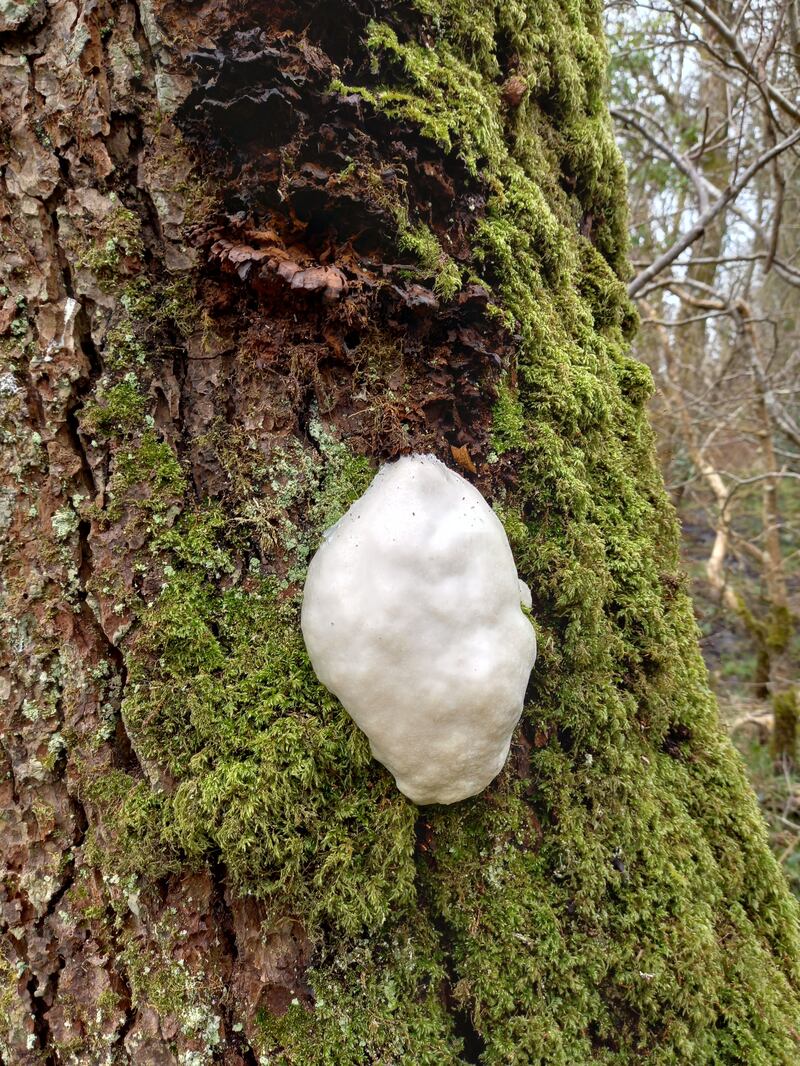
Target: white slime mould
{"points": [[412, 617]]}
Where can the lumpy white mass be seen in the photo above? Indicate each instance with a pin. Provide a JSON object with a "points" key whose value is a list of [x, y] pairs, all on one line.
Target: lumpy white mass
{"points": [[412, 616]]}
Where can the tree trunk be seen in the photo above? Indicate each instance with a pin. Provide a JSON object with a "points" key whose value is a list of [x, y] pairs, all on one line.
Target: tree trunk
{"points": [[251, 251], [780, 623]]}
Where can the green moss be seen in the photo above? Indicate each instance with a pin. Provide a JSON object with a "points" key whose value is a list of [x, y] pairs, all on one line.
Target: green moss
{"points": [[171, 303], [159, 978], [119, 240], [449, 100], [786, 711], [508, 428], [288, 502], [120, 410], [421, 242], [373, 1001], [9, 980], [779, 629], [147, 479], [560, 137], [124, 349], [413, 237], [174, 302], [271, 776], [148, 317], [137, 836]]}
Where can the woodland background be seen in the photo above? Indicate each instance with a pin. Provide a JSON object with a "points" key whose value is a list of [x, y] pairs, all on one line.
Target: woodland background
{"points": [[705, 98]]}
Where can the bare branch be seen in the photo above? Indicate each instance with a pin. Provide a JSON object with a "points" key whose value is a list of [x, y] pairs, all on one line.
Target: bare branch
{"points": [[682, 162], [711, 212], [731, 38]]}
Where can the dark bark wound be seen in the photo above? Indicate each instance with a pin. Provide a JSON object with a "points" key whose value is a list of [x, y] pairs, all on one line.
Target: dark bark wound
{"points": [[305, 253]]}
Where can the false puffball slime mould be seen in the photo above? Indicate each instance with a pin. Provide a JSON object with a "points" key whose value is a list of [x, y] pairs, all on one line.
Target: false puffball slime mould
{"points": [[412, 615]]}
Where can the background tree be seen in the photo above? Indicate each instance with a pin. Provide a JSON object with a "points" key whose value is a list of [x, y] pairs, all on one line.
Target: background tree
{"points": [[704, 95], [251, 250]]}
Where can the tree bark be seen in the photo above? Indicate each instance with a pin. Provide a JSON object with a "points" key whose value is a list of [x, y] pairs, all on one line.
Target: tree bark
{"points": [[252, 250], [780, 624]]}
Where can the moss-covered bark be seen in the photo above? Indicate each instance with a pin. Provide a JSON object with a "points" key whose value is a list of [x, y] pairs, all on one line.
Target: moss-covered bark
{"points": [[252, 250]]}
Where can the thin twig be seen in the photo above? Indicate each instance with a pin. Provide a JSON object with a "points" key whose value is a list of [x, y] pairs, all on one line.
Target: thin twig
{"points": [[711, 212]]}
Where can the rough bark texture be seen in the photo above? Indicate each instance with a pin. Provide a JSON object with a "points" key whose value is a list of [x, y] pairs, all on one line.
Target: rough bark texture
{"points": [[250, 250]]}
